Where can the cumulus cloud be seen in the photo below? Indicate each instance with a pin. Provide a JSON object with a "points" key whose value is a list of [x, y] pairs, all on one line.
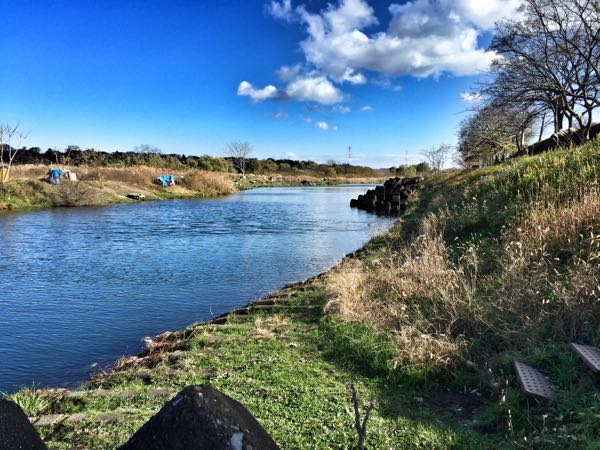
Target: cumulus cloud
{"points": [[257, 95], [281, 10], [346, 43], [423, 37], [366, 108], [288, 73], [314, 87], [325, 126]]}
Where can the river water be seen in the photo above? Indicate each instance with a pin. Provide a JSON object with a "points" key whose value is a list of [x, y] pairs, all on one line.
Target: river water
{"points": [[80, 287]]}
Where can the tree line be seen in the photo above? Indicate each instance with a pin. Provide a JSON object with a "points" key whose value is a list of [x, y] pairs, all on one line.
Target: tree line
{"points": [[151, 156], [545, 80]]}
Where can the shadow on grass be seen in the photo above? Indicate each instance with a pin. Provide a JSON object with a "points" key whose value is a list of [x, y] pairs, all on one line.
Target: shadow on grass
{"points": [[405, 395]]}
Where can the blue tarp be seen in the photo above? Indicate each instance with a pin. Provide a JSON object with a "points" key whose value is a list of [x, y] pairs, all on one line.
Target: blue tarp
{"points": [[166, 180], [54, 177]]}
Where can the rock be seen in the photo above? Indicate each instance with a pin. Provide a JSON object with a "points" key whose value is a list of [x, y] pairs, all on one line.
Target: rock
{"points": [[201, 417], [16, 432], [50, 420], [391, 198]]}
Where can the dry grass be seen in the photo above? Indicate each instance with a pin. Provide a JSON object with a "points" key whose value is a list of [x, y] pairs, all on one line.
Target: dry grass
{"points": [[75, 193], [262, 330], [212, 183], [207, 183], [551, 268], [432, 305], [28, 172], [417, 296]]}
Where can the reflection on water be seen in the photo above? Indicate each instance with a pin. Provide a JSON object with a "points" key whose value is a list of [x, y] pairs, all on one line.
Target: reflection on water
{"points": [[82, 286]]}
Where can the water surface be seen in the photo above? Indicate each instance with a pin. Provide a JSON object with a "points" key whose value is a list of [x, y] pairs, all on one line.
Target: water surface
{"points": [[85, 285]]}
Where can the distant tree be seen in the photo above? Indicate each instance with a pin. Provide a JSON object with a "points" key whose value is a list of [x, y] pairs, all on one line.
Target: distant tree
{"points": [[437, 156], [239, 152], [422, 168], [406, 171], [146, 148]]}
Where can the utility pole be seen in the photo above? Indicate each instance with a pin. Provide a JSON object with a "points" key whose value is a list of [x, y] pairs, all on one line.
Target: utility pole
{"points": [[350, 154]]}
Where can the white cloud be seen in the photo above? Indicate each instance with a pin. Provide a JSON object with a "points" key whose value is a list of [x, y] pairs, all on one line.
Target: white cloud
{"points": [[484, 14], [325, 126], [311, 87], [385, 83], [257, 95], [291, 155], [366, 108], [314, 87], [281, 10], [353, 77], [288, 73], [281, 115], [307, 120], [470, 97], [341, 109], [423, 38]]}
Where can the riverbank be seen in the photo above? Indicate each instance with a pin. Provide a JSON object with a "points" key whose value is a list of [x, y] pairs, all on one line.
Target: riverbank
{"points": [[487, 267], [276, 358], [28, 189]]}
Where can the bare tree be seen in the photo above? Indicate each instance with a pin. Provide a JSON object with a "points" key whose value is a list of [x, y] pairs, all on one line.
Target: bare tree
{"points": [[492, 133], [549, 62], [361, 426], [146, 148], [437, 156], [239, 152], [8, 135]]}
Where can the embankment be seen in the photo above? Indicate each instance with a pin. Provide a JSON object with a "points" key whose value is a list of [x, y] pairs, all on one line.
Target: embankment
{"points": [[486, 267], [28, 188]]}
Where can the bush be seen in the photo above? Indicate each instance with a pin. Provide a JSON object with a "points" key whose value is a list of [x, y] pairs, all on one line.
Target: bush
{"points": [[74, 193]]}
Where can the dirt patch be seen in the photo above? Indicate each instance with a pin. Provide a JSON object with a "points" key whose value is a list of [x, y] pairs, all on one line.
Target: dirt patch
{"points": [[462, 406]]}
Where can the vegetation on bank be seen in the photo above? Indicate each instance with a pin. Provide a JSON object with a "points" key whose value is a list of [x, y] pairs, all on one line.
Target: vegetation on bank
{"points": [[29, 189], [491, 266], [488, 266]]}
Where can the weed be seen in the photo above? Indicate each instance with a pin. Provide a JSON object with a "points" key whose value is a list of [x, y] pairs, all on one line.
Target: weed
{"points": [[31, 400]]}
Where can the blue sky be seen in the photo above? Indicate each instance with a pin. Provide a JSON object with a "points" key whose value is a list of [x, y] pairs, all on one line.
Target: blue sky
{"points": [[189, 76]]}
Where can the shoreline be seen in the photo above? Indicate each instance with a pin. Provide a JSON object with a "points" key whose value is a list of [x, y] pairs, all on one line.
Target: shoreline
{"points": [[37, 194]]}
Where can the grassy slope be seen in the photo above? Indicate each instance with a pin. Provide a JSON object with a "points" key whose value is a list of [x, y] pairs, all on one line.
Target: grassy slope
{"points": [[291, 367]]}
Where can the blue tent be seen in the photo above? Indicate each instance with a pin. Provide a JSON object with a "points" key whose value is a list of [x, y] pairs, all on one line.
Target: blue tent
{"points": [[166, 180], [54, 176]]}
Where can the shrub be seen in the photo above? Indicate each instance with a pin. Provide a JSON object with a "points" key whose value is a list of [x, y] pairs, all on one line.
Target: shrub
{"points": [[74, 193]]}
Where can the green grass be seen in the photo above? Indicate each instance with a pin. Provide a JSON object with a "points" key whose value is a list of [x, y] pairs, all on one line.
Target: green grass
{"points": [[286, 370], [480, 209], [31, 400]]}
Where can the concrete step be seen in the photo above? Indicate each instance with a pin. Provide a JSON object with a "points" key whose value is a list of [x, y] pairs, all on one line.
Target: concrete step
{"points": [[533, 382], [590, 355]]}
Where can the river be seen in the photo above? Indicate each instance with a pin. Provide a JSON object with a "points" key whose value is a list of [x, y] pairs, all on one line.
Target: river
{"points": [[80, 287]]}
